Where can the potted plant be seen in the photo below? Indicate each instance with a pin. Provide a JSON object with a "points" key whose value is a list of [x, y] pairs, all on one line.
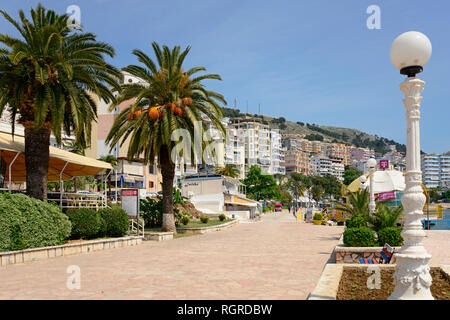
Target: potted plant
{"points": [[317, 219]]}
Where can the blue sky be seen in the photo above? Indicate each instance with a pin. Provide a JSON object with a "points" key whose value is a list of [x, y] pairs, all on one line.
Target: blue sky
{"points": [[310, 61]]}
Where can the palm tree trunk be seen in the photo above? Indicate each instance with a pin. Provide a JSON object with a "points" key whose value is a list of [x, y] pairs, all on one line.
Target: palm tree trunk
{"points": [[168, 173], [37, 154]]}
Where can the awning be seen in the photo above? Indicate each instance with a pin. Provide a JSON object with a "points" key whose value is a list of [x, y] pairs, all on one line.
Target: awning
{"points": [[241, 204], [77, 165], [383, 181]]}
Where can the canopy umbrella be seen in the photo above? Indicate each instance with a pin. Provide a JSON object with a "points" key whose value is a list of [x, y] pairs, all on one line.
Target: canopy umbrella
{"points": [[383, 181], [62, 164]]}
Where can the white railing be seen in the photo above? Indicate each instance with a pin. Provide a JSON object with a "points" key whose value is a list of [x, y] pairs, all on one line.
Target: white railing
{"points": [[78, 200], [137, 226]]}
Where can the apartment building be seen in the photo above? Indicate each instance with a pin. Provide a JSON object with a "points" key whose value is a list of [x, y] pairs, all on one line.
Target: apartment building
{"points": [[338, 151], [255, 136], [358, 155], [277, 154], [296, 160], [321, 165], [436, 170]]}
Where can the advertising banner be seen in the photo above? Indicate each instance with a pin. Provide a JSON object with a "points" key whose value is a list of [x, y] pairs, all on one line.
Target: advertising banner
{"points": [[386, 196]]}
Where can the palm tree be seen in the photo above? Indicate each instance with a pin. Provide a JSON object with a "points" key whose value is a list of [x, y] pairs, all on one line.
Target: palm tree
{"points": [[317, 192], [47, 77], [384, 216], [170, 99], [358, 203], [229, 170], [112, 160]]}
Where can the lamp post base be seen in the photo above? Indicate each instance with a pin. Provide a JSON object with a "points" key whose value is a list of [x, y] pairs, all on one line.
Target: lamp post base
{"points": [[412, 278]]}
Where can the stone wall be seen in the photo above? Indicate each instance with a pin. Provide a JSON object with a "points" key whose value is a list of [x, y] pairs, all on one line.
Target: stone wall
{"points": [[353, 254], [21, 256]]}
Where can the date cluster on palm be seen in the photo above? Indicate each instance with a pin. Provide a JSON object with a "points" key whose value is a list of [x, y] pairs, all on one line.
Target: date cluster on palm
{"points": [[157, 112]]}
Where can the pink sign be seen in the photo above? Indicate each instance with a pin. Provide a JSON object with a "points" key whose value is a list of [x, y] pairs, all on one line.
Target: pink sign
{"points": [[384, 164], [386, 196]]}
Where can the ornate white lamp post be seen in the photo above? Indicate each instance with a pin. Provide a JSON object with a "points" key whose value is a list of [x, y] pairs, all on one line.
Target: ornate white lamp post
{"points": [[363, 180], [371, 164], [410, 51]]}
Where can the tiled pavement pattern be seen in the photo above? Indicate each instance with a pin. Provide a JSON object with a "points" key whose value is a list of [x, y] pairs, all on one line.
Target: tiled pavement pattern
{"points": [[277, 258]]}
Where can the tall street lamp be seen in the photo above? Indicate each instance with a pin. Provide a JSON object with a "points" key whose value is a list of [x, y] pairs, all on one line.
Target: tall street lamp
{"points": [[371, 164], [410, 51], [363, 180]]}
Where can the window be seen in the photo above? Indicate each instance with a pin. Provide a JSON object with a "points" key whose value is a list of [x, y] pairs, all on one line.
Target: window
{"points": [[151, 184], [151, 169]]}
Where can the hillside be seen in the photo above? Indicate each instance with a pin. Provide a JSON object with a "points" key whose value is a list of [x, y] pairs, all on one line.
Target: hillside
{"points": [[324, 133]]}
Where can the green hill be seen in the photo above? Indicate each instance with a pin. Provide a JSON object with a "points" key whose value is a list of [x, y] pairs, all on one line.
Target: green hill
{"points": [[313, 131]]}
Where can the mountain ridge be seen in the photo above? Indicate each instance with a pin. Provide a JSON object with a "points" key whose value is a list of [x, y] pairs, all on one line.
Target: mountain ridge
{"points": [[348, 136]]}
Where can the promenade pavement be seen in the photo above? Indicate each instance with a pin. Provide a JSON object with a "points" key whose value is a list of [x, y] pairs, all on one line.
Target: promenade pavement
{"points": [[276, 258]]}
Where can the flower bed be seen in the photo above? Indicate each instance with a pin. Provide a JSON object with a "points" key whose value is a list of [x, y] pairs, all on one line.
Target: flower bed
{"points": [[349, 282]]}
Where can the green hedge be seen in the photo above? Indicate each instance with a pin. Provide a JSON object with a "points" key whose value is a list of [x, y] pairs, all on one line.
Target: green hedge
{"points": [[391, 236], [86, 223], [357, 221], [116, 221], [359, 237], [30, 223]]}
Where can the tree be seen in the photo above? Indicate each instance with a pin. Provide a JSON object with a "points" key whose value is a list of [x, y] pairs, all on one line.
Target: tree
{"points": [[317, 191], [170, 99], [296, 184], [314, 137], [47, 77], [358, 203], [112, 160], [229, 170], [260, 186], [384, 216], [350, 174]]}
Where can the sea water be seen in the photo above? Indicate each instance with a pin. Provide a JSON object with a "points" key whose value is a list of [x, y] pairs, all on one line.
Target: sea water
{"points": [[440, 224]]}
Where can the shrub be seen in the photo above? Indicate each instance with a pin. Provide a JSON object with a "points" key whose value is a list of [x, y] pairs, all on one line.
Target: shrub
{"points": [[357, 221], [151, 211], [180, 216], [30, 223], [222, 217], [391, 236], [204, 219], [86, 223], [116, 221], [359, 237], [317, 216], [185, 220], [17, 242]]}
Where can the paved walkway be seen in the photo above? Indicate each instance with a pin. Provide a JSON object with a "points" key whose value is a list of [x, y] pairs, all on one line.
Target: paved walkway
{"points": [[277, 258]]}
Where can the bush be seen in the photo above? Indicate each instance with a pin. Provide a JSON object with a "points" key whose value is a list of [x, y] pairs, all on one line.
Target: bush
{"points": [[185, 220], [357, 221], [17, 242], [391, 236], [151, 211], [204, 219], [317, 216], [116, 221], [222, 217], [30, 223], [359, 237], [86, 223]]}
